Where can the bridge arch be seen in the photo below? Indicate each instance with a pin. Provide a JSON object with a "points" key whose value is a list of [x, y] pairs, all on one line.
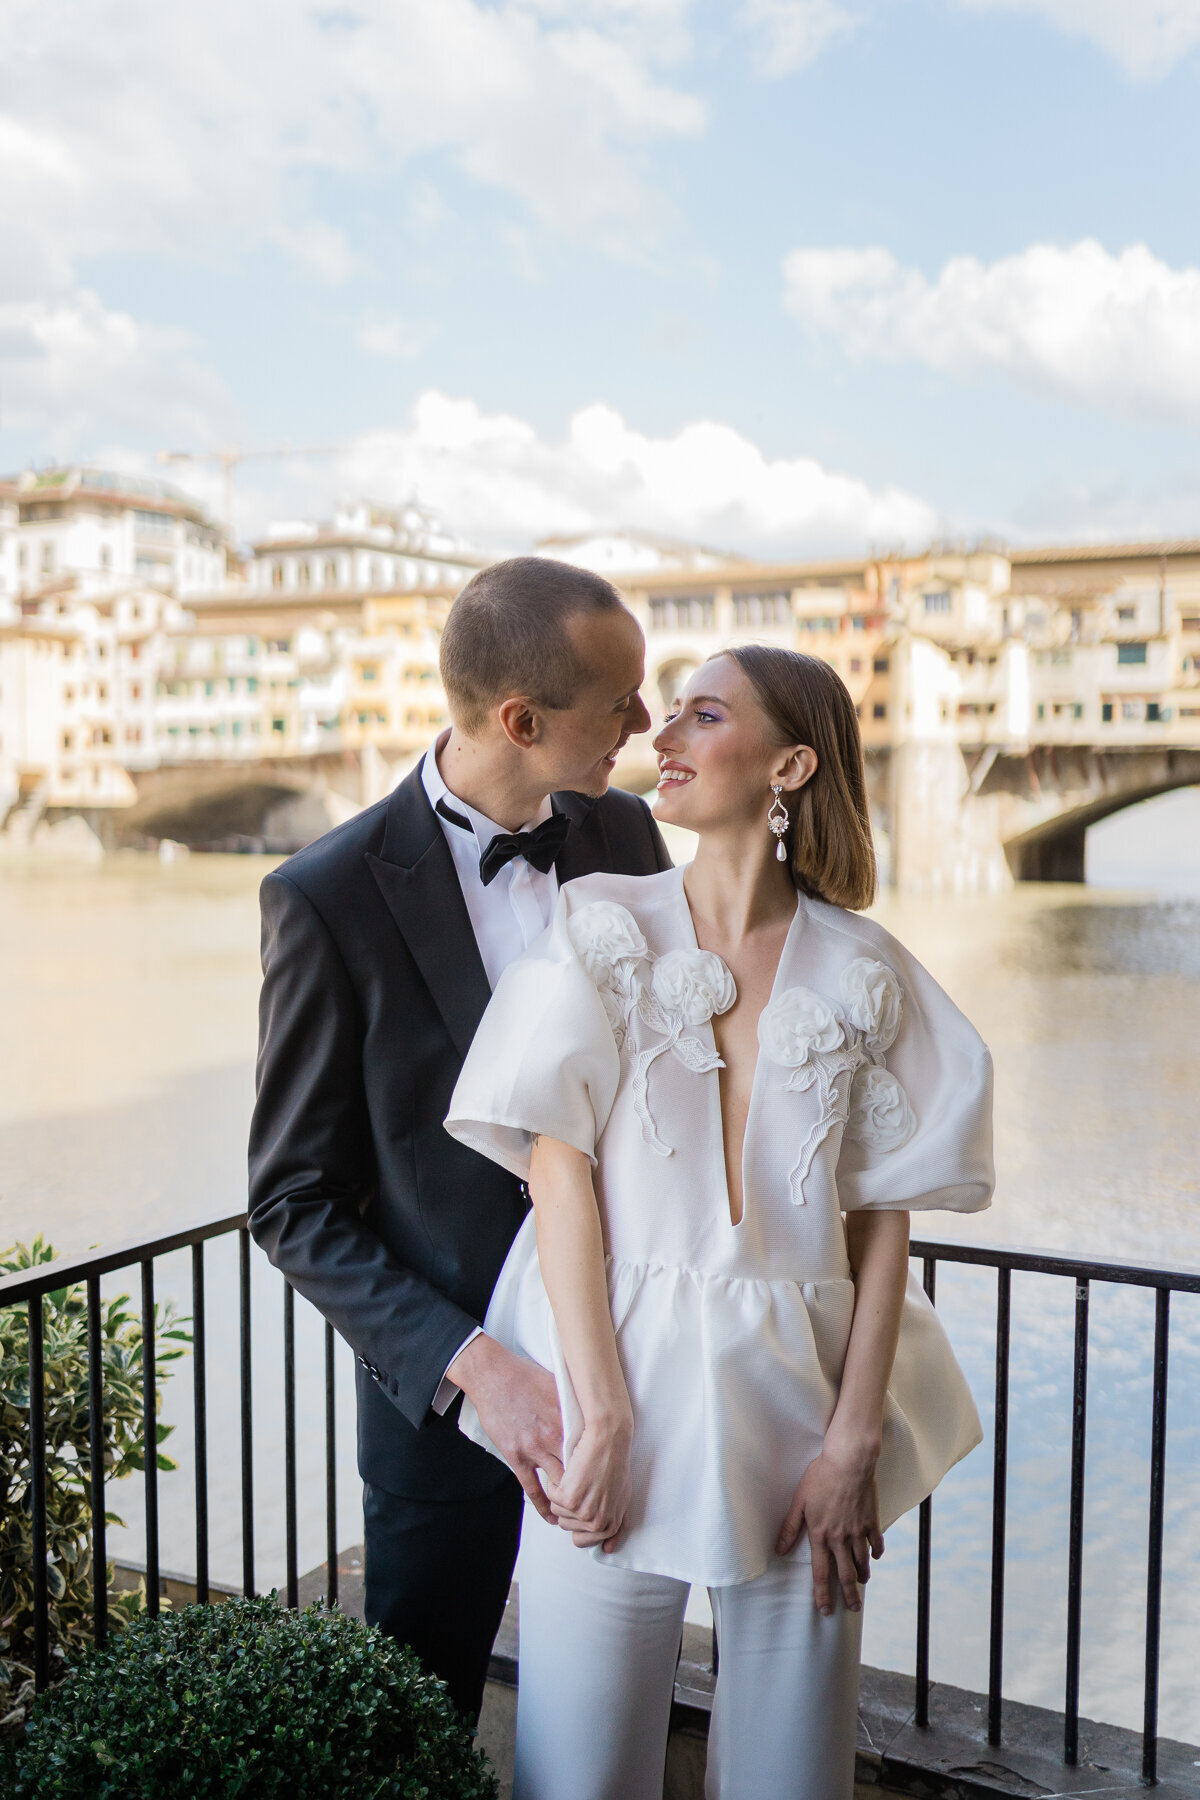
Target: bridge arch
{"points": [[272, 805], [1054, 848]]}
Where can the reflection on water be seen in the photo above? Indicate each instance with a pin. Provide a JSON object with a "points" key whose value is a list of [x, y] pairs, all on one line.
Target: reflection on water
{"points": [[126, 1074]]}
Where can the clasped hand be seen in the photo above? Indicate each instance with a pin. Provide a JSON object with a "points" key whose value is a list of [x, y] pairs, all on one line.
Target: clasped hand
{"points": [[837, 1503], [592, 1499]]}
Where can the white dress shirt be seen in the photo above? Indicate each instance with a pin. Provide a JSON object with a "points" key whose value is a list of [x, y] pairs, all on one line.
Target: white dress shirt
{"points": [[506, 916], [518, 903]]}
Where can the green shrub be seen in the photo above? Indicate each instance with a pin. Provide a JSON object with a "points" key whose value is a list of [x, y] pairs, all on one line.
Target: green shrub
{"points": [[69, 1573], [246, 1699]]}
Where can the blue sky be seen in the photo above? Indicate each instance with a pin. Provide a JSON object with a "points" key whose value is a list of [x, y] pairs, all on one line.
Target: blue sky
{"points": [[792, 276]]}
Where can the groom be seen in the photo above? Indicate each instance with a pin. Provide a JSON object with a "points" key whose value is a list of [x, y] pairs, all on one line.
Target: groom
{"points": [[381, 945]]}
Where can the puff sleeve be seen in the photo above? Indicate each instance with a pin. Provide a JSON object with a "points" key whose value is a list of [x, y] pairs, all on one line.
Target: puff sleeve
{"points": [[544, 1060], [919, 1131]]}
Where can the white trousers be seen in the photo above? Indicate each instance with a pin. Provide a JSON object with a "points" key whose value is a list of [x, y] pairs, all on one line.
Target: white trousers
{"points": [[598, 1654]]}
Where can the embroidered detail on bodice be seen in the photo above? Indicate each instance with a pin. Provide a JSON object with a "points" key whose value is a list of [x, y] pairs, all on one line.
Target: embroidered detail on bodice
{"points": [[606, 939], [668, 993], [818, 1042]]}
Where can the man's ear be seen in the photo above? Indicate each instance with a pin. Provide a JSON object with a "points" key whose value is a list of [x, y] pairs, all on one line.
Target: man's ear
{"points": [[794, 769], [520, 721]]}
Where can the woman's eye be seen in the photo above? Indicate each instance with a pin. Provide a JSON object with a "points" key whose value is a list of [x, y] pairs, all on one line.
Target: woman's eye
{"points": [[707, 715], [671, 716]]}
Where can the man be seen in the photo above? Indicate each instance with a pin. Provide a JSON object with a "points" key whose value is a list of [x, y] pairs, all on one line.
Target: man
{"points": [[381, 945]]}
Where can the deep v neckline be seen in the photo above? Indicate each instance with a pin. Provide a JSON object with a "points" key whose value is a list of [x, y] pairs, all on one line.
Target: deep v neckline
{"points": [[751, 1105]]}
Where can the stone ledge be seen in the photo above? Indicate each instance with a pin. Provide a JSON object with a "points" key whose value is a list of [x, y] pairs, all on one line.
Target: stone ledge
{"points": [[950, 1757]]}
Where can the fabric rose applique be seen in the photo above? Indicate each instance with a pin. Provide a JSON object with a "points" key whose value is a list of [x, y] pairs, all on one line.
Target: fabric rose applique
{"points": [[818, 1042], [880, 1114], [606, 939], [873, 1002], [669, 993]]}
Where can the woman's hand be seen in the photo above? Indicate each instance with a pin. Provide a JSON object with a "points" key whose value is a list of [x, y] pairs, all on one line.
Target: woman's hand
{"points": [[837, 1503], [592, 1499]]}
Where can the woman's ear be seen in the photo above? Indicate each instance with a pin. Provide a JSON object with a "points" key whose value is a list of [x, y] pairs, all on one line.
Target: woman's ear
{"points": [[794, 769]]}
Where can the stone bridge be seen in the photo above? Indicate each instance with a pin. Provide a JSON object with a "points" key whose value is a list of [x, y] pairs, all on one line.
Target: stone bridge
{"points": [[949, 819], [273, 802], [972, 821]]}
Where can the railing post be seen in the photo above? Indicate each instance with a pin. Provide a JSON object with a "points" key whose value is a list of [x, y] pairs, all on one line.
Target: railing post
{"points": [[37, 1493], [924, 1558], [96, 1462], [200, 1421], [289, 1444], [150, 1433], [999, 1505], [1075, 1525], [1158, 1457], [247, 1393], [331, 1545]]}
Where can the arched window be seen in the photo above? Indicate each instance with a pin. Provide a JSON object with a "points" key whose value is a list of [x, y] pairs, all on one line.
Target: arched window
{"points": [[276, 574], [331, 572], [303, 572]]}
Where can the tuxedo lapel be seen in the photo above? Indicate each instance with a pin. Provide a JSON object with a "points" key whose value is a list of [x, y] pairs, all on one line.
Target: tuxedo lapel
{"points": [[416, 876], [587, 848]]}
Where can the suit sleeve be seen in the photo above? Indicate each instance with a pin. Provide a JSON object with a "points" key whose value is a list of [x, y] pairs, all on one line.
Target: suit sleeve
{"points": [[312, 1169]]}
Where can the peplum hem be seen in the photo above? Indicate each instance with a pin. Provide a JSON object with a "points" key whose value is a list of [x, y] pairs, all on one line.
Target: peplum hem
{"points": [[733, 1380]]}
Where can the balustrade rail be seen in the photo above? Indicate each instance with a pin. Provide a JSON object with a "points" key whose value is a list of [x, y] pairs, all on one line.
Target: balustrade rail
{"points": [[30, 1286]]}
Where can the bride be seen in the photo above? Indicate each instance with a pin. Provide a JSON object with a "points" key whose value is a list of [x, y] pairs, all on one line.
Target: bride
{"points": [[726, 1091]]}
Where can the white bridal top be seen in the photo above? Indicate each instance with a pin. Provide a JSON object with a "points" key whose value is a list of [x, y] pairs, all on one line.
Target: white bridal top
{"points": [[872, 1091]]}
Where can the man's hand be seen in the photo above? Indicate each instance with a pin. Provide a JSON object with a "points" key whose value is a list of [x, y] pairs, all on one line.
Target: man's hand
{"points": [[517, 1403]]}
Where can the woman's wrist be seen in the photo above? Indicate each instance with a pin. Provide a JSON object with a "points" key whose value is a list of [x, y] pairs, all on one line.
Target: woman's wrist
{"points": [[611, 1423], [853, 1445]]}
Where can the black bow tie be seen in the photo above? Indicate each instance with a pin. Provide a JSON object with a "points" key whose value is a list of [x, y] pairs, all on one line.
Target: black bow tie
{"points": [[540, 847]]}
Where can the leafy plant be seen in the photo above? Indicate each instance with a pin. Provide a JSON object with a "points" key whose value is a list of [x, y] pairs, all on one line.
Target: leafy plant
{"points": [[247, 1699], [69, 1571]]}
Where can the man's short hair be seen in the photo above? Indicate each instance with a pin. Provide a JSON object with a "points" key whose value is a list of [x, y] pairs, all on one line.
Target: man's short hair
{"points": [[506, 634]]}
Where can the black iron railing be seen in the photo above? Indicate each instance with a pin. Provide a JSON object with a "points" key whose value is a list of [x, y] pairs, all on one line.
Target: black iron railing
{"points": [[1082, 1271], [29, 1286]]}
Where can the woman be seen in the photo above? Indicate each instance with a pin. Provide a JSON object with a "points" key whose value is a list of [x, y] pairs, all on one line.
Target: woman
{"points": [[726, 1092]]}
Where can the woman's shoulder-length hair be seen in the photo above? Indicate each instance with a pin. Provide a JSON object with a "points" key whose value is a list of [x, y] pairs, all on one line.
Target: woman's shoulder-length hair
{"points": [[829, 840]]}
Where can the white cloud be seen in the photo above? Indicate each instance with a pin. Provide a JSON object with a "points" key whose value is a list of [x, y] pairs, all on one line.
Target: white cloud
{"points": [[320, 248], [395, 338], [68, 363], [196, 127], [1114, 331], [197, 130], [496, 478], [793, 33], [1147, 37]]}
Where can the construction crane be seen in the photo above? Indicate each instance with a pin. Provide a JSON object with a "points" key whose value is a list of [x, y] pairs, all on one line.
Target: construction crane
{"points": [[228, 460]]}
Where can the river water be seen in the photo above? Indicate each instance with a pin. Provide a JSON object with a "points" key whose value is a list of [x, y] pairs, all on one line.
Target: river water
{"points": [[127, 1037]]}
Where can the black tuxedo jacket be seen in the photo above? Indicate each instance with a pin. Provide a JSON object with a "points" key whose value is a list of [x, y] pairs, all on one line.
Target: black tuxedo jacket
{"points": [[373, 987]]}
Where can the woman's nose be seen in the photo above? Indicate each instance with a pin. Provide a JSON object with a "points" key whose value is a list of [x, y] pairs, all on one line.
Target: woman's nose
{"points": [[666, 738]]}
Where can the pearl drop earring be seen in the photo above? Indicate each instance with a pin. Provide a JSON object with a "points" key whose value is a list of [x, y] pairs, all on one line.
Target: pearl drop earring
{"points": [[777, 822]]}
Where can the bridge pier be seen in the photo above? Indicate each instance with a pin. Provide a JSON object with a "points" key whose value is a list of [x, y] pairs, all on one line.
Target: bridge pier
{"points": [[1058, 856], [942, 840]]}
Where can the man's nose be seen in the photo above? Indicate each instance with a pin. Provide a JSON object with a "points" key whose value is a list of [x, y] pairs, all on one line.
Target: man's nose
{"points": [[641, 715]]}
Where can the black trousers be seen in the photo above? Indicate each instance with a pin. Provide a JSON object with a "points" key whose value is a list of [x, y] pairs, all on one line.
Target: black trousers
{"points": [[437, 1578]]}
